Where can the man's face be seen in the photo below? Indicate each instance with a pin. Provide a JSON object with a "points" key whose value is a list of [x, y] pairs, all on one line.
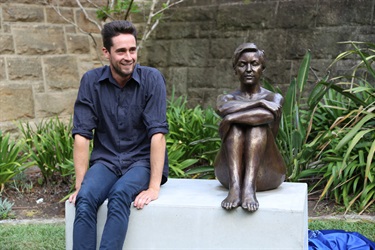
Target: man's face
{"points": [[122, 56], [249, 68]]}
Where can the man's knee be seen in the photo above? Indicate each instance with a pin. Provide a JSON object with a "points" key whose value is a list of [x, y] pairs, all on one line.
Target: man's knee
{"points": [[87, 199]]}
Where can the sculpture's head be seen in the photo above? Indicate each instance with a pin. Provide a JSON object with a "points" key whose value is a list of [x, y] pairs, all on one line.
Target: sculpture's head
{"points": [[248, 47]]}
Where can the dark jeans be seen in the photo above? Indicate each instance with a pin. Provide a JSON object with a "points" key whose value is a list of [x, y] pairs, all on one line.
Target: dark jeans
{"points": [[99, 184]]}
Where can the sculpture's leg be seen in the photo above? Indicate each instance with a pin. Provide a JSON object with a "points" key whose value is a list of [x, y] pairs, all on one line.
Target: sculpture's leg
{"points": [[255, 146], [234, 149]]}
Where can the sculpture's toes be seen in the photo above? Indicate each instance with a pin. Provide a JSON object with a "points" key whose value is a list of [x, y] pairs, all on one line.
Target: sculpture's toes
{"points": [[229, 204], [250, 205]]}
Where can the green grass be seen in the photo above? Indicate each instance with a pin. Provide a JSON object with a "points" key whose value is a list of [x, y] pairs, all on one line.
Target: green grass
{"points": [[52, 236], [366, 228], [32, 236]]}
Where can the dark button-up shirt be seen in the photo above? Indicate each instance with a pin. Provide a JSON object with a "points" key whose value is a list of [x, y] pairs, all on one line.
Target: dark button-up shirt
{"points": [[121, 120]]}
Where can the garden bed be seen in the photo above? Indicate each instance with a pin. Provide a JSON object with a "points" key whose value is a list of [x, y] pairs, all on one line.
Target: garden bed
{"points": [[44, 201]]}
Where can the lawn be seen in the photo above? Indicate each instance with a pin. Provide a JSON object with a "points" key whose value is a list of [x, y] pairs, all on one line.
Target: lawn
{"points": [[52, 236]]}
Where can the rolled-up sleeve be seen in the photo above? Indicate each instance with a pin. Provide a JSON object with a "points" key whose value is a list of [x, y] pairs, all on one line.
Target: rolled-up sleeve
{"points": [[155, 111], [85, 119]]}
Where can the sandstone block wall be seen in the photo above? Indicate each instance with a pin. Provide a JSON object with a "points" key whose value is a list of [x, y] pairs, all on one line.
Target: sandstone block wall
{"points": [[42, 57], [194, 45]]}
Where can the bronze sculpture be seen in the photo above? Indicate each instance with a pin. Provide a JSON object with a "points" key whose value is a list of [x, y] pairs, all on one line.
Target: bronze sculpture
{"points": [[249, 160]]}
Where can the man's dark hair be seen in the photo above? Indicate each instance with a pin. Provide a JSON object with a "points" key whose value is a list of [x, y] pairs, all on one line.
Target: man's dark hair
{"points": [[248, 47], [116, 28]]}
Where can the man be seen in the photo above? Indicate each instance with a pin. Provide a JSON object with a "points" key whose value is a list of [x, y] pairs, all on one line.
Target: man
{"points": [[123, 108], [249, 159]]}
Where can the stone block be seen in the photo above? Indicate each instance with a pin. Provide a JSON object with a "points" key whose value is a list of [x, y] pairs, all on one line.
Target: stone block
{"points": [[16, 102], [24, 68], [78, 44], [289, 15], [182, 54], [40, 39], [2, 69], [252, 15], [202, 77], [23, 13], [317, 41], [7, 46], [158, 53], [40, 2], [177, 80], [192, 14], [53, 17], [84, 23], [183, 30], [55, 103], [205, 97], [188, 215], [338, 12], [61, 72]]}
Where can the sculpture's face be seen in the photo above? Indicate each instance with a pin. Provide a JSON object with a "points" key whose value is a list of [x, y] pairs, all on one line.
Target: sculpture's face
{"points": [[249, 68]]}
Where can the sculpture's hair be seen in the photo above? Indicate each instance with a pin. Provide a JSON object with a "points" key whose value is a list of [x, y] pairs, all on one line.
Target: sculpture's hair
{"points": [[248, 47], [116, 28]]}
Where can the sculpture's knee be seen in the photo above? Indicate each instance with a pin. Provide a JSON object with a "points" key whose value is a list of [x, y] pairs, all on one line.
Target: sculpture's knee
{"points": [[235, 135], [257, 135]]}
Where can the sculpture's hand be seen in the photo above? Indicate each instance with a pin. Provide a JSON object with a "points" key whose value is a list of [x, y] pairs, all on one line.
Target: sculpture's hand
{"points": [[274, 107]]}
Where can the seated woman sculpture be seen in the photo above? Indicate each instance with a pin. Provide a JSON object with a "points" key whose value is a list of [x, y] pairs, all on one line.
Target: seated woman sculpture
{"points": [[249, 160]]}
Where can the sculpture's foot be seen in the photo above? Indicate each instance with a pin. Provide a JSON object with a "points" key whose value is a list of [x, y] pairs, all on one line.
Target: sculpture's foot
{"points": [[232, 201], [250, 203]]}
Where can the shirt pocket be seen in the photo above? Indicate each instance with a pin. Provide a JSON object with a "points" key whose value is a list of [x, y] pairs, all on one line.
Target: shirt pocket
{"points": [[136, 117]]}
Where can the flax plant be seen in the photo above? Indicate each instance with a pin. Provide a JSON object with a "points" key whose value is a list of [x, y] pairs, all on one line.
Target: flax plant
{"points": [[50, 145], [348, 155], [193, 139], [12, 158]]}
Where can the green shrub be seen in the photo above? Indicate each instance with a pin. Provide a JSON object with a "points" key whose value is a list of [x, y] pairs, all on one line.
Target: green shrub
{"points": [[346, 159], [50, 145], [328, 138], [12, 159], [5, 209], [193, 139]]}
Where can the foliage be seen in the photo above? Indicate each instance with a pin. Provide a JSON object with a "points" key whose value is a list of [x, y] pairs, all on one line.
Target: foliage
{"points": [[294, 126], [12, 160], [347, 156], [21, 183], [328, 138], [193, 139], [50, 145], [5, 209], [119, 9]]}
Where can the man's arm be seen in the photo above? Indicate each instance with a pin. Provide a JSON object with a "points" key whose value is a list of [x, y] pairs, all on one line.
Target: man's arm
{"points": [[81, 159], [157, 157]]}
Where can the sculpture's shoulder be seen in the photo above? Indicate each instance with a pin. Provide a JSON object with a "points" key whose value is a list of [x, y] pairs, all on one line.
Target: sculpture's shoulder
{"points": [[271, 96]]}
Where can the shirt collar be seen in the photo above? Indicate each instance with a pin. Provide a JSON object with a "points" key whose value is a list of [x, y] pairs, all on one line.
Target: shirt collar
{"points": [[108, 75]]}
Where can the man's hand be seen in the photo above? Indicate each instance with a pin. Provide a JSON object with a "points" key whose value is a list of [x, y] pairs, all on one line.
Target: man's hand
{"points": [[145, 197], [73, 197]]}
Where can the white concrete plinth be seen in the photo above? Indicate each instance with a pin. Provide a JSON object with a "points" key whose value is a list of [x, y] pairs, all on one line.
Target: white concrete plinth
{"points": [[188, 215]]}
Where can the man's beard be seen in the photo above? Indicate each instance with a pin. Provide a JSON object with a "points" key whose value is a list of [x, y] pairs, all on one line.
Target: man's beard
{"points": [[122, 73]]}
